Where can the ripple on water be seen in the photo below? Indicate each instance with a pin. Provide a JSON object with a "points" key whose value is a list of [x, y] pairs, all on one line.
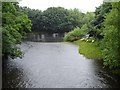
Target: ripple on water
{"points": [[55, 65]]}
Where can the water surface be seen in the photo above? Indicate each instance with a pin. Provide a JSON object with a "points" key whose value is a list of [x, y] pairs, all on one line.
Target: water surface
{"points": [[55, 65]]}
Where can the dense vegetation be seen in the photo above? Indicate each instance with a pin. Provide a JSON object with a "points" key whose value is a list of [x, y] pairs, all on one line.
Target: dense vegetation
{"points": [[111, 40], [79, 32], [76, 34], [54, 19], [104, 28], [14, 26]]}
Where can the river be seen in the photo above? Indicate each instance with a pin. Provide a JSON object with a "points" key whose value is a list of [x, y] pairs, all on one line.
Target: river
{"points": [[55, 65]]}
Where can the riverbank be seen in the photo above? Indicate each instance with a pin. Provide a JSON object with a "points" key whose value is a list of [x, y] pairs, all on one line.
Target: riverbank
{"points": [[89, 49], [92, 51]]}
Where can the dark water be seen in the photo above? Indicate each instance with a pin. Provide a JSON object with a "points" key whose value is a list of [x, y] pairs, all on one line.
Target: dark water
{"points": [[55, 65]]}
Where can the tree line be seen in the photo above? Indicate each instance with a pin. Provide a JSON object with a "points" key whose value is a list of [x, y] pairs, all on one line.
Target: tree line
{"points": [[54, 19]]}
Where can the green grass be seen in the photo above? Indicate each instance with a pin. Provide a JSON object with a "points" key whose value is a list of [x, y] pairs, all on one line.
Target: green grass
{"points": [[89, 50]]}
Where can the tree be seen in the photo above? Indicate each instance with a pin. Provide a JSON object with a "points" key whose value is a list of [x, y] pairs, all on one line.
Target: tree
{"points": [[111, 41], [56, 19], [76, 18], [97, 22], [87, 19], [15, 25], [36, 17]]}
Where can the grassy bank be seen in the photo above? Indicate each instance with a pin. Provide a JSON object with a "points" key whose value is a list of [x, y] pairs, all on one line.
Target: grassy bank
{"points": [[92, 51], [89, 50]]}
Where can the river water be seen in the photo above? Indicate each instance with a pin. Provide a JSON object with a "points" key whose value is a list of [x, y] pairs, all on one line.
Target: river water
{"points": [[55, 65]]}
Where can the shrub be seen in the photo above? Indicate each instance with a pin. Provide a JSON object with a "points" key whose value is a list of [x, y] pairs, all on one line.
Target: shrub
{"points": [[76, 34]]}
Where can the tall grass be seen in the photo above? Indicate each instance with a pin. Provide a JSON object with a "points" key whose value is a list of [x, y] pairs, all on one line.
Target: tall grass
{"points": [[89, 50]]}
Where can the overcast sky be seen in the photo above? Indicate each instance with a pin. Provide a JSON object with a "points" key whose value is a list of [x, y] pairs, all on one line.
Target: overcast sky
{"points": [[83, 5]]}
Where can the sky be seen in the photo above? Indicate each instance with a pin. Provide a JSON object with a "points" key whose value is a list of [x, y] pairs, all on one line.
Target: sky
{"points": [[82, 5]]}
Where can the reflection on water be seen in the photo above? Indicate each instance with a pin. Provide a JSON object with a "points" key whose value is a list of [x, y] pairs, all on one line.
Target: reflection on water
{"points": [[55, 65], [45, 37]]}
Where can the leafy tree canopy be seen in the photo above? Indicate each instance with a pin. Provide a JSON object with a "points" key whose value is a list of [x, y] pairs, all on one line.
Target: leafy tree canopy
{"points": [[15, 24], [111, 41], [54, 19]]}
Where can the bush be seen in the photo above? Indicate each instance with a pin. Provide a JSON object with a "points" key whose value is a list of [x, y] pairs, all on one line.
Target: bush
{"points": [[76, 34], [110, 46]]}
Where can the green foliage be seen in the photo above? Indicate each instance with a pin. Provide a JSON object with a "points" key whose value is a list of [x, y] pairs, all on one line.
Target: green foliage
{"points": [[97, 23], [111, 41], [54, 19], [15, 24], [100, 14], [76, 18], [35, 16], [73, 35], [76, 34], [88, 17]]}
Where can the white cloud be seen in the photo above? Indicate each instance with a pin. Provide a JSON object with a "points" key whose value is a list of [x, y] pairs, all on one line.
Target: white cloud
{"points": [[84, 5]]}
